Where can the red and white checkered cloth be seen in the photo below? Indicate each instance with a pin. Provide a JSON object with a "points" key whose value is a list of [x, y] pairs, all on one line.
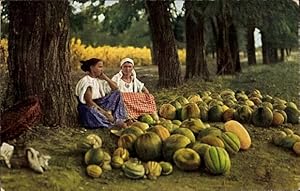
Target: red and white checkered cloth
{"points": [[139, 103]]}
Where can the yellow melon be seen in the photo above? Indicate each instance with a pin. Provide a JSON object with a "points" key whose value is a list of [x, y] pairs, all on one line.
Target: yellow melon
{"points": [[238, 129], [278, 118], [296, 148]]}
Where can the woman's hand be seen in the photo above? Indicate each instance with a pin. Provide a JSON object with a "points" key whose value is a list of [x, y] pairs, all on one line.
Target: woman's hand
{"points": [[103, 76], [112, 84], [92, 104], [107, 114]]}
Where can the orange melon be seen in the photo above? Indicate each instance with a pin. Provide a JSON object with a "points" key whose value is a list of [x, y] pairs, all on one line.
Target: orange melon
{"points": [[296, 148], [238, 129]]}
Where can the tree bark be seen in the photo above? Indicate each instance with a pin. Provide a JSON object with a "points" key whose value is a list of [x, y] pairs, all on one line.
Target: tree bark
{"points": [[38, 61], [282, 55], [165, 51], [251, 45], [265, 49], [287, 51], [225, 63], [234, 48], [213, 23], [195, 57], [273, 55]]}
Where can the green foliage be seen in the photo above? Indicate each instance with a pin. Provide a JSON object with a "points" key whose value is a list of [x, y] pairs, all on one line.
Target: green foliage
{"points": [[179, 29], [86, 25], [4, 10], [125, 22], [85, 28], [248, 12], [137, 35], [4, 20], [120, 16], [280, 20]]}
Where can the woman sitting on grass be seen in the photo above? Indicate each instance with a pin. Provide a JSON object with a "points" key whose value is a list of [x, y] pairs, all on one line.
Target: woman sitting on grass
{"points": [[136, 96], [126, 78], [100, 103]]}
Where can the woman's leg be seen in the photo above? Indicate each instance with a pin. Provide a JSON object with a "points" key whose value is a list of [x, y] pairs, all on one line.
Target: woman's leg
{"points": [[91, 118], [114, 102]]}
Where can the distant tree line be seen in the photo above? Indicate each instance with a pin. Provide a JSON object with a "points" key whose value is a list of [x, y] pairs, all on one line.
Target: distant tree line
{"points": [[221, 27]]}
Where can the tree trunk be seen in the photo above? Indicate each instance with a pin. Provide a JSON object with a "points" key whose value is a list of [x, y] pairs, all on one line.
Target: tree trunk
{"points": [[225, 63], [165, 51], [287, 51], [234, 48], [213, 24], [290, 50], [251, 45], [276, 56], [38, 59], [265, 49], [273, 55], [195, 57], [282, 55]]}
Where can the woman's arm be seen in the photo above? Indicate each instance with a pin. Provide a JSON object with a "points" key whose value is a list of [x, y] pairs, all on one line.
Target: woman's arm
{"points": [[145, 90], [112, 84], [91, 103], [88, 98], [141, 86]]}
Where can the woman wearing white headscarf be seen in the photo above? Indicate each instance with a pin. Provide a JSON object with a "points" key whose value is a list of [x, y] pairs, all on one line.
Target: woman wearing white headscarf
{"points": [[126, 79], [136, 96]]}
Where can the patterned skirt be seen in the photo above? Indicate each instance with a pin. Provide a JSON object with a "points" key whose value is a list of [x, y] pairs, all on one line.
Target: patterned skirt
{"points": [[139, 103], [91, 118]]}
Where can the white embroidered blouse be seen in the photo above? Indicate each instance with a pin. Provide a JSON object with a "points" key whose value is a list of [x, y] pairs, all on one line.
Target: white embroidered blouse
{"points": [[99, 88], [134, 86]]}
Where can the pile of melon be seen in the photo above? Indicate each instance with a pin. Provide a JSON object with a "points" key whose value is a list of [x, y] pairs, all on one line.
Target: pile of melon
{"points": [[286, 138], [95, 157], [190, 145], [146, 151], [180, 135], [98, 160], [252, 108]]}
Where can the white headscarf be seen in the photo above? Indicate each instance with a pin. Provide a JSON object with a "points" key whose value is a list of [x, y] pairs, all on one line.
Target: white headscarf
{"points": [[118, 76], [124, 60]]}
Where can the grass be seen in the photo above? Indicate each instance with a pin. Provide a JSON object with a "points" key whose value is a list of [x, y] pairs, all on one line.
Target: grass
{"points": [[262, 167]]}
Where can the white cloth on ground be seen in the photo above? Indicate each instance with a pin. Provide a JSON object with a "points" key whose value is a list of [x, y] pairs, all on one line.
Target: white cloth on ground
{"points": [[37, 162], [6, 152]]}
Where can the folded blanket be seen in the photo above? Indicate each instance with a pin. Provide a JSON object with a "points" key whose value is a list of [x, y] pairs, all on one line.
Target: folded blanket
{"points": [[139, 103]]}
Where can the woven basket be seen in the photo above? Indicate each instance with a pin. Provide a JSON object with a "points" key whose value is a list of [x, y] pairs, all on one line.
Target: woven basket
{"points": [[19, 118]]}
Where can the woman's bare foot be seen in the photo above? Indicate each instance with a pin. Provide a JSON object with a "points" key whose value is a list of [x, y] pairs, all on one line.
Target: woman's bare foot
{"points": [[109, 117], [130, 121], [121, 124]]}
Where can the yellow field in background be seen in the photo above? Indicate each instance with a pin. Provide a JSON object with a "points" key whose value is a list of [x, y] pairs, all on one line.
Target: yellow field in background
{"points": [[109, 54], [3, 53]]}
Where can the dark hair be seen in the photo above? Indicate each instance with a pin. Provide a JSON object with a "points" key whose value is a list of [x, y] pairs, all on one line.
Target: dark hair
{"points": [[86, 64]]}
